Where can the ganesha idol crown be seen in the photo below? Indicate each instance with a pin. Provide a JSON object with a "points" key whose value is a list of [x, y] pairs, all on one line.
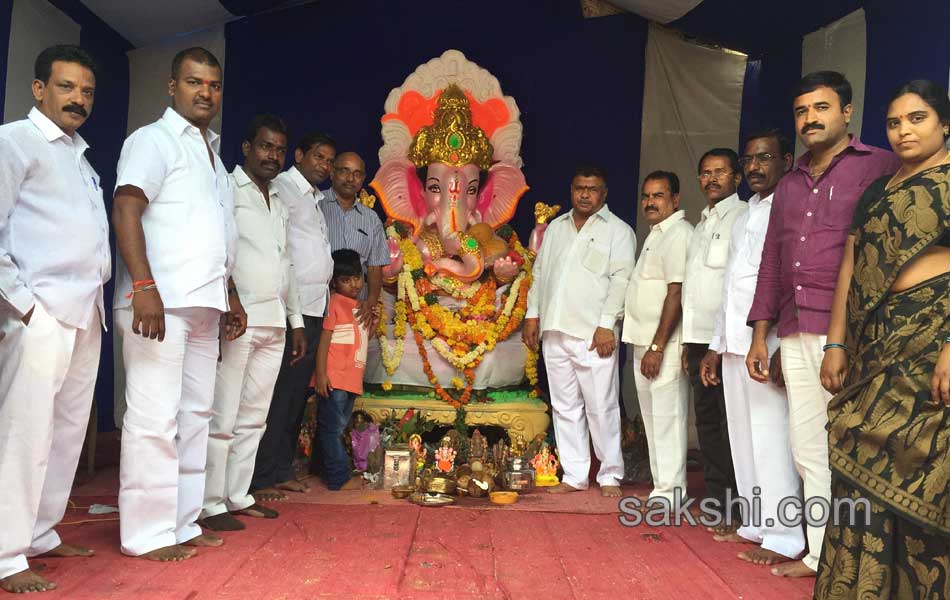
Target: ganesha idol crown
{"points": [[452, 139]]}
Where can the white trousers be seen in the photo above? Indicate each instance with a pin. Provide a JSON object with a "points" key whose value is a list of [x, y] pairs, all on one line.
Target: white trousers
{"points": [[169, 390], [242, 394], [664, 405], [807, 418], [47, 378], [761, 455], [585, 404]]}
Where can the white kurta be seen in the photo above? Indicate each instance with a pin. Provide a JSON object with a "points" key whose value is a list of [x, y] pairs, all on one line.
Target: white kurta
{"points": [[579, 281], [54, 260]]}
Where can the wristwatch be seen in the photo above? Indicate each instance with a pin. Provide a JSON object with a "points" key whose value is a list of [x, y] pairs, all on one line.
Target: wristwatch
{"points": [[656, 348]]}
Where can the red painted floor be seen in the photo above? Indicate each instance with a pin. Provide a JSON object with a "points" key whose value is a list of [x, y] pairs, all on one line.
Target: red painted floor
{"points": [[368, 545]]}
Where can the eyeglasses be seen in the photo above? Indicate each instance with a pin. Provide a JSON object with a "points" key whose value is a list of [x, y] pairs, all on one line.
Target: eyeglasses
{"points": [[763, 158], [715, 173]]}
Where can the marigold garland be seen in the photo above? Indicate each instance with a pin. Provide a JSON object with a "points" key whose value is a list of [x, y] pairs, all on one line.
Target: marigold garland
{"points": [[463, 336]]}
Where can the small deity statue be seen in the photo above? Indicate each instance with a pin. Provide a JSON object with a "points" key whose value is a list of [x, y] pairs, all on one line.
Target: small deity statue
{"points": [[478, 451], [445, 456], [545, 467], [518, 446], [500, 455], [419, 452]]}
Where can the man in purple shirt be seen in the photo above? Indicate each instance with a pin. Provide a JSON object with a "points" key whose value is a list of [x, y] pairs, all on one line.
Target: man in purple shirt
{"points": [[803, 249]]}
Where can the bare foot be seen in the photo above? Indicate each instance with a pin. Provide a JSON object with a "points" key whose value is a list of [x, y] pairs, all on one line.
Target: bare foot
{"points": [[205, 540], [355, 483], [733, 538], [258, 511], [761, 556], [793, 569], [294, 486], [26, 581], [723, 529], [68, 550], [610, 491], [268, 495], [174, 553], [562, 488]]}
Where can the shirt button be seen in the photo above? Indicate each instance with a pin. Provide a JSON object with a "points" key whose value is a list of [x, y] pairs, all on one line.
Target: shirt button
{"points": [[798, 264], [814, 191], [798, 287], [802, 238], [808, 214]]}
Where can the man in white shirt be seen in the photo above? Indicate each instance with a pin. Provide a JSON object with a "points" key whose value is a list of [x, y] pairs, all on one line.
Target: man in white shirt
{"points": [[719, 176], [580, 277], [652, 327], [54, 260], [757, 414], [175, 229], [309, 244], [249, 364]]}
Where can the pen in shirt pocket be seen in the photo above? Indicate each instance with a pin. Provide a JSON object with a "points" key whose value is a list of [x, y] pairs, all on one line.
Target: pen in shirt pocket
{"points": [[363, 232]]}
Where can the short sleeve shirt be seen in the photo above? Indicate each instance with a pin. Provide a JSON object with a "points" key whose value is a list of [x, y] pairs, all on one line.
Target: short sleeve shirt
{"points": [[346, 360], [662, 262]]}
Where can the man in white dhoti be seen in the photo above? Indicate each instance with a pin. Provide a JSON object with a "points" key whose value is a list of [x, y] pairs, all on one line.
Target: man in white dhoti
{"points": [[176, 234], [54, 260], [653, 329], [580, 277], [757, 413], [249, 364]]}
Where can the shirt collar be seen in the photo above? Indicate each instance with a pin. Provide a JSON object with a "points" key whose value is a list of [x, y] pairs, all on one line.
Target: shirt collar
{"points": [[242, 180], [52, 132], [179, 125], [854, 145], [300, 182], [665, 225], [603, 213], [330, 196], [722, 207], [756, 199]]}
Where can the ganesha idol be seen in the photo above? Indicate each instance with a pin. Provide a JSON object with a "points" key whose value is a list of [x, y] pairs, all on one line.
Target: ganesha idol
{"points": [[449, 180]]}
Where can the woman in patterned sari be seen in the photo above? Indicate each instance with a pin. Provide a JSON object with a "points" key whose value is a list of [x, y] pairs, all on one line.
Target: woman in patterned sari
{"points": [[888, 362]]}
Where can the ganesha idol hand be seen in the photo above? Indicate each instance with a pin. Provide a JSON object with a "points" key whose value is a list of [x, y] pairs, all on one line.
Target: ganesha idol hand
{"points": [[505, 269], [452, 244], [392, 270]]}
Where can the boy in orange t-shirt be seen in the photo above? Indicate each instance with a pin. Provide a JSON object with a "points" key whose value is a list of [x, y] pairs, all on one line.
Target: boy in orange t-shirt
{"points": [[341, 360]]}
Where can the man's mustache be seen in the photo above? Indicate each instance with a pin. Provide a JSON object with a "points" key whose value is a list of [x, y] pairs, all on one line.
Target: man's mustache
{"points": [[650, 209], [755, 175], [76, 109], [811, 126], [270, 163], [712, 186]]}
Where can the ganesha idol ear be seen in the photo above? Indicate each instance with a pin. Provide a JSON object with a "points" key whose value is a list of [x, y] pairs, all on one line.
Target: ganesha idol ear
{"points": [[400, 192], [499, 196]]}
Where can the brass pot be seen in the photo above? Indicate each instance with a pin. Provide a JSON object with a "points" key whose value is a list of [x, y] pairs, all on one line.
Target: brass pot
{"points": [[442, 485]]}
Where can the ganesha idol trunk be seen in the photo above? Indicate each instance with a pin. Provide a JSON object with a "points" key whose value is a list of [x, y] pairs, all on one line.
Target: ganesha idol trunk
{"points": [[455, 295], [502, 367]]}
